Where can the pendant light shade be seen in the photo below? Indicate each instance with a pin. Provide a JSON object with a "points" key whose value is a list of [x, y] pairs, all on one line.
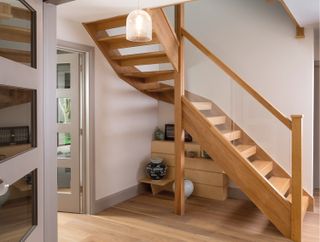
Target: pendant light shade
{"points": [[139, 26]]}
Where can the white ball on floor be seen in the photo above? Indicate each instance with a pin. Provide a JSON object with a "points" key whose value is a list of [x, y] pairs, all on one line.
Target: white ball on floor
{"points": [[188, 188]]}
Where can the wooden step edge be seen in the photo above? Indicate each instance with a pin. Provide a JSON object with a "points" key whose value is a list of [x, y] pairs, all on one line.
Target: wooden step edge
{"points": [[263, 167], [153, 76], [148, 86], [247, 150], [142, 59], [202, 106], [121, 37], [218, 120], [160, 89], [281, 184], [110, 23], [232, 135], [156, 54], [120, 42], [305, 203], [145, 74]]}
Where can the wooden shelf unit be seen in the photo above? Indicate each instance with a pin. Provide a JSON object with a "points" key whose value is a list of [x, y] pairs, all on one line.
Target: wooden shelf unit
{"points": [[210, 181]]}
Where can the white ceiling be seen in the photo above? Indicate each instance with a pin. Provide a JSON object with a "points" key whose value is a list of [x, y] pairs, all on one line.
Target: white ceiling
{"points": [[91, 10], [306, 12]]}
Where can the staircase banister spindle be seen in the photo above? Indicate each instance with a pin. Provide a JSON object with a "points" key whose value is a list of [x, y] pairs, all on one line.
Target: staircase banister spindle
{"points": [[296, 181], [286, 121]]}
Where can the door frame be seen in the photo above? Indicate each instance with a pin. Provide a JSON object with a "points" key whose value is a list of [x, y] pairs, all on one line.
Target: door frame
{"points": [[316, 164], [87, 93]]}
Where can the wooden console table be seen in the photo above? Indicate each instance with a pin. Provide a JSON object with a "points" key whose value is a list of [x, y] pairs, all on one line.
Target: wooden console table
{"points": [[157, 185]]}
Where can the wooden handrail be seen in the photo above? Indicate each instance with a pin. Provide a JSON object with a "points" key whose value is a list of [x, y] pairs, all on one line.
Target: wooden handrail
{"points": [[299, 28], [286, 121]]}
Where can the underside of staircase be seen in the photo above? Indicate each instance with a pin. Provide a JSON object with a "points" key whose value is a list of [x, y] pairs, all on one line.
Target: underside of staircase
{"points": [[259, 176]]}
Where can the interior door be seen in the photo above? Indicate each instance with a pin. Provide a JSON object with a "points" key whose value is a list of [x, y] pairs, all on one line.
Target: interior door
{"points": [[68, 135]]}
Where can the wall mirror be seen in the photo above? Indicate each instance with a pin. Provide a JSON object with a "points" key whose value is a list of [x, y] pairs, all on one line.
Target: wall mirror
{"points": [[17, 121], [18, 32]]}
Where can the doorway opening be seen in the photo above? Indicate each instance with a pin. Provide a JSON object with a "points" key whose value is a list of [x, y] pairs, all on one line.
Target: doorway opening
{"points": [[74, 158]]}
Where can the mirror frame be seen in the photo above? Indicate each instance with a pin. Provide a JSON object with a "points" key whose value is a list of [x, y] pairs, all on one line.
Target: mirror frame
{"points": [[34, 125], [33, 33]]}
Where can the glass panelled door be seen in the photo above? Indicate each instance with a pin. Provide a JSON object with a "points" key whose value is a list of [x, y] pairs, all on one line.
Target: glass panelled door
{"points": [[68, 135]]}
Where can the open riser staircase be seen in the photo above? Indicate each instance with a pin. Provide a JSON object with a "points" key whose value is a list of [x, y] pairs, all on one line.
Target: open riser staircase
{"points": [[260, 177]]}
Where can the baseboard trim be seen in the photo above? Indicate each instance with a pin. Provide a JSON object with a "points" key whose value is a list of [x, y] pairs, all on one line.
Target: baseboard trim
{"points": [[236, 193], [118, 197]]}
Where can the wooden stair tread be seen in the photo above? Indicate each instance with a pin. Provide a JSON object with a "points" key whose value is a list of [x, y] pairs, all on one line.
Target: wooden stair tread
{"points": [[263, 167], [120, 41], [232, 135], [202, 106], [247, 150], [281, 184], [217, 120], [147, 73], [152, 76], [139, 56], [142, 59], [115, 22], [161, 89], [305, 203]]}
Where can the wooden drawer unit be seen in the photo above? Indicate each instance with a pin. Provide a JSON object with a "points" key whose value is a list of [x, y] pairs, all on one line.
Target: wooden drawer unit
{"points": [[209, 179]]}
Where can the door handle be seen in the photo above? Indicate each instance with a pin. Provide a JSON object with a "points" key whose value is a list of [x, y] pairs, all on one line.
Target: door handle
{"points": [[4, 187]]}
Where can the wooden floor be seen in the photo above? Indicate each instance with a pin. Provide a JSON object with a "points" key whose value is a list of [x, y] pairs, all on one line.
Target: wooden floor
{"points": [[151, 219]]}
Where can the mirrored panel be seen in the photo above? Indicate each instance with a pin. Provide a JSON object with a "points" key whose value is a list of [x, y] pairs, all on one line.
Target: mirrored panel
{"points": [[64, 110], [18, 208], [17, 122], [63, 76], [64, 179], [64, 145], [18, 32]]}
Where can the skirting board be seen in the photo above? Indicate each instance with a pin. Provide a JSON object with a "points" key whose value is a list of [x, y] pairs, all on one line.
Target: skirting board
{"points": [[118, 197]]}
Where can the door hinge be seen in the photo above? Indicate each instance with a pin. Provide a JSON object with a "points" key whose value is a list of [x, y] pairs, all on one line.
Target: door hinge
{"points": [[81, 131], [81, 189]]}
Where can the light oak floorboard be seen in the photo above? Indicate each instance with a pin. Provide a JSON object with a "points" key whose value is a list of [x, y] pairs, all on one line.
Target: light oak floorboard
{"points": [[151, 219]]}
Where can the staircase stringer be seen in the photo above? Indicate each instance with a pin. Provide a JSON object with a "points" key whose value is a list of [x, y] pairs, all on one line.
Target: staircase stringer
{"points": [[166, 35], [256, 187], [92, 29]]}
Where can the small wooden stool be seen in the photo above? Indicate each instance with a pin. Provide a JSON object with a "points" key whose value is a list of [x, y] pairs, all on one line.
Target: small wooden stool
{"points": [[157, 185]]}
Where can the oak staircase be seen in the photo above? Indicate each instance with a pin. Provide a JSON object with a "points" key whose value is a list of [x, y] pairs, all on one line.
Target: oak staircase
{"points": [[277, 194]]}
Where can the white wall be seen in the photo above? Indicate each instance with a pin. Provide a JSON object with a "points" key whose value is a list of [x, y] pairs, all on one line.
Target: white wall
{"points": [[124, 121], [257, 40]]}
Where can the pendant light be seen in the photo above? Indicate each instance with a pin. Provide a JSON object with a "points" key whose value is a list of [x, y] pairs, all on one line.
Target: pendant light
{"points": [[139, 26]]}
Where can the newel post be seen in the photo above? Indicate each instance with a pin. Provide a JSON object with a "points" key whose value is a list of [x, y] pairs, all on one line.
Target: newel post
{"points": [[179, 132], [296, 181]]}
